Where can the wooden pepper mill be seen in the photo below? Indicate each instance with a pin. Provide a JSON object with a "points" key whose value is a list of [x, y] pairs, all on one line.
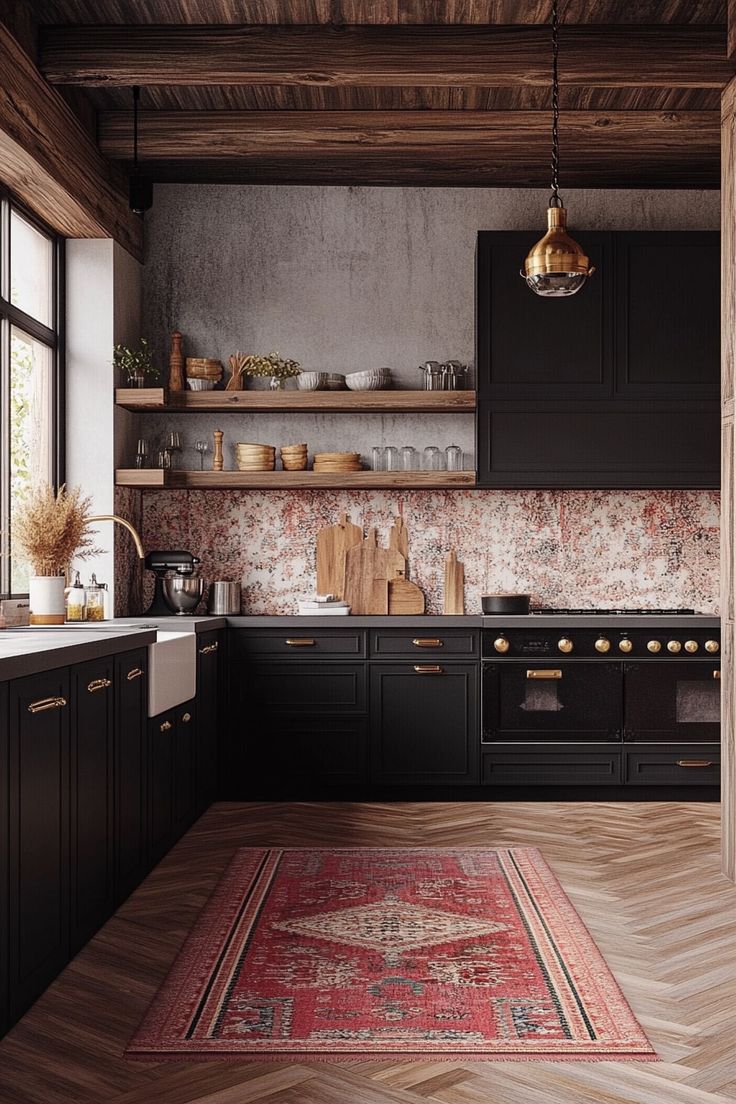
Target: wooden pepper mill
{"points": [[217, 460], [177, 381]]}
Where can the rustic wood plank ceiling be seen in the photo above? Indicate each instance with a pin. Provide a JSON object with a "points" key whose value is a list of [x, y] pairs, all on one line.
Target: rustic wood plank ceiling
{"points": [[419, 92]]}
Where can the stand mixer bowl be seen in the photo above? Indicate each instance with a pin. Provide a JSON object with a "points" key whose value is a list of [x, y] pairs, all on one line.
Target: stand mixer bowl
{"points": [[183, 593]]}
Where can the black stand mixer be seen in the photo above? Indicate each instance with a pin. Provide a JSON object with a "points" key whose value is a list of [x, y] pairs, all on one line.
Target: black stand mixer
{"points": [[160, 563]]}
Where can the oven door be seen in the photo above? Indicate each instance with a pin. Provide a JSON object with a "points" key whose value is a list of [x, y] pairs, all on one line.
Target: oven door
{"points": [[672, 702], [555, 701]]}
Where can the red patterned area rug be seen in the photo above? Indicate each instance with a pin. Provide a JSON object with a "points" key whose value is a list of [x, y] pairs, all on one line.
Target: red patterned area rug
{"points": [[364, 953]]}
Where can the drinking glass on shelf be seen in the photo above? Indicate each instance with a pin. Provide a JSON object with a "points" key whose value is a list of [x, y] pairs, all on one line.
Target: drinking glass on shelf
{"points": [[454, 457], [392, 458], [379, 458], [164, 459], [141, 453], [433, 459], [409, 458], [202, 448]]}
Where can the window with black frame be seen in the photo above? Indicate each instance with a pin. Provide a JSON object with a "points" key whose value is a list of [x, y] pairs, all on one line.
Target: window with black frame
{"points": [[31, 383]]}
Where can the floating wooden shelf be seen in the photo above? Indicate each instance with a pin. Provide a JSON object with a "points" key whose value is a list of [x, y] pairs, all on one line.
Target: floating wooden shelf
{"points": [[157, 479], [159, 400]]}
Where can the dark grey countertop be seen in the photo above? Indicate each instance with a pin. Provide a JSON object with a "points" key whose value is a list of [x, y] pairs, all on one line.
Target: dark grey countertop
{"points": [[329, 620], [32, 651], [477, 621], [602, 621]]}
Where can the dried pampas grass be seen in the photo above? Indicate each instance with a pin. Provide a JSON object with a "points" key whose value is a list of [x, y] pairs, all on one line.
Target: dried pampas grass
{"points": [[53, 528]]}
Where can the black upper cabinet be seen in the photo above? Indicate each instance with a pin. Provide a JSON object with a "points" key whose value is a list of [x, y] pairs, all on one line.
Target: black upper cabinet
{"points": [[528, 345], [616, 386]]}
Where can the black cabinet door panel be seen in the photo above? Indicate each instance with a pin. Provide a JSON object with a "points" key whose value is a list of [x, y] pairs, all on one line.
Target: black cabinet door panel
{"points": [[552, 767], [131, 771], [92, 824], [161, 751], [299, 643], [319, 751], [39, 835], [529, 344], [307, 687], [672, 702], [668, 314], [185, 768], [678, 765], [424, 723], [210, 689]]}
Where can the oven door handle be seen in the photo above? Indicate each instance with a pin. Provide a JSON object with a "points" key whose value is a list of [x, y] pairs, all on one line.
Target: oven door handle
{"points": [[545, 673]]}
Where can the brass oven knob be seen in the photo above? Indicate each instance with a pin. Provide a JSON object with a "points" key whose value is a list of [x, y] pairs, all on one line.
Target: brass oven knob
{"points": [[602, 645], [625, 645], [565, 645], [654, 646], [501, 644], [712, 646], [691, 646], [674, 646]]}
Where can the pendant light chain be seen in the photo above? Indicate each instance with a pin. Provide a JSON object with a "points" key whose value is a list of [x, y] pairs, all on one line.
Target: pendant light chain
{"points": [[136, 98], [555, 200]]}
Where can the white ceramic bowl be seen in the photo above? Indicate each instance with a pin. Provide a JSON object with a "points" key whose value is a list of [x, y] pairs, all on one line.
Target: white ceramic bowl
{"points": [[373, 380], [311, 381], [201, 384]]}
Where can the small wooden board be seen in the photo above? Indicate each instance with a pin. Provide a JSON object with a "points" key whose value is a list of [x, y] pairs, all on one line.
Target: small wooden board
{"points": [[454, 584], [404, 598], [332, 545], [398, 537], [366, 577]]}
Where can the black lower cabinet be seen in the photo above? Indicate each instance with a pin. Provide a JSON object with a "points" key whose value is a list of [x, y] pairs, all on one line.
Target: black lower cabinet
{"points": [[172, 802], [508, 766], [39, 858], [210, 693], [131, 744], [424, 723], [676, 765], [92, 882], [185, 808]]}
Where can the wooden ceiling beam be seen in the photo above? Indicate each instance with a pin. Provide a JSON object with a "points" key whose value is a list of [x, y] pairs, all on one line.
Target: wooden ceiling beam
{"points": [[49, 163], [398, 56], [505, 135]]}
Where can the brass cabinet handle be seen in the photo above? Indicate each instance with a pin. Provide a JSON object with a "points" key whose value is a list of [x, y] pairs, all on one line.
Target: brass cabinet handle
{"points": [[428, 669], [165, 726], [547, 673], [716, 674], [186, 717], [99, 684], [209, 648], [43, 704], [428, 642], [695, 763], [307, 642], [134, 673]]}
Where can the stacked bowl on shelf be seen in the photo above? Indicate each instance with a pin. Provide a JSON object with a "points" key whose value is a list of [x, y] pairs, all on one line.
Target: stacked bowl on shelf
{"points": [[336, 462], [294, 457], [203, 373], [255, 457]]}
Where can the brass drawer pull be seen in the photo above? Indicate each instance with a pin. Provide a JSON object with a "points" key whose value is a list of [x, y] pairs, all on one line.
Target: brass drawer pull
{"points": [[716, 674], [209, 649], [166, 726], [548, 673], [429, 669], [134, 673], [99, 684], [43, 704], [428, 642], [695, 763], [307, 642], [186, 717]]}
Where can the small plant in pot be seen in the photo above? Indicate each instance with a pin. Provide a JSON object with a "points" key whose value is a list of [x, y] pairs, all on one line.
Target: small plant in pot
{"points": [[136, 365], [277, 367], [52, 528]]}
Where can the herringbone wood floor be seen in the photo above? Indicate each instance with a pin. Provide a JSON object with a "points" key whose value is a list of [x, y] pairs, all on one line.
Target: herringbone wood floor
{"points": [[644, 877]]}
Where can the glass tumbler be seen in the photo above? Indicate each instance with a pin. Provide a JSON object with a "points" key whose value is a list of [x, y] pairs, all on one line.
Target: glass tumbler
{"points": [[409, 458], [454, 457], [433, 460], [393, 460], [378, 458]]}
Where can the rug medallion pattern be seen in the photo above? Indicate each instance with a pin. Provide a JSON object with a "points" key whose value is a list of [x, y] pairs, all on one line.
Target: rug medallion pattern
{"points": [[359, 953]]}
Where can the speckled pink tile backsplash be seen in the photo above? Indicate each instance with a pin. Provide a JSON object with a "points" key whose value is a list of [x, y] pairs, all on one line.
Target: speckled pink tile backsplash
{"points": [[567, 548]]}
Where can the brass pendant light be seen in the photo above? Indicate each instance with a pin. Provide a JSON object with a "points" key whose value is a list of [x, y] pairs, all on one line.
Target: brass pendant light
{"points": [[556, 266]]}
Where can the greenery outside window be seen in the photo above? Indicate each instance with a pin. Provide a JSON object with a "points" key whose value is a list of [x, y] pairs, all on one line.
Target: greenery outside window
{"points": [[31, 372]]}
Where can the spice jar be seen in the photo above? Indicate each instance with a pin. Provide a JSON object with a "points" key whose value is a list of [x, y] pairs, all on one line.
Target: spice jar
{"points": [[95, 600], [75, 606]]}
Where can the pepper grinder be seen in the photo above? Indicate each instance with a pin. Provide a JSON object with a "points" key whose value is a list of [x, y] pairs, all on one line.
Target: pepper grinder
{"points": [[217, 461], [176, 363]]}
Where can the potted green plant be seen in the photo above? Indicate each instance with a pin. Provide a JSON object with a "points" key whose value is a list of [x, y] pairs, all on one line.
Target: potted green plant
{"points": [[136, 365], [52, 528]]}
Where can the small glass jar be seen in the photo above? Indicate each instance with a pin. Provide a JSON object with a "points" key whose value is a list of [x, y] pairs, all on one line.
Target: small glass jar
{"points": [[75, 605], [454, 458], [95, 601], [409, 458], [378, 453], [433, 459], [393, 459]]}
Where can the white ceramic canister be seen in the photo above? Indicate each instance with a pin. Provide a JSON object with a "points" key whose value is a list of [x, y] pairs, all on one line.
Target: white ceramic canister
{"points": [[46, 599]]}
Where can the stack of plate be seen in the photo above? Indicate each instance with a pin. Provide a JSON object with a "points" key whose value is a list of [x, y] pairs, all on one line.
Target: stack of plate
{"points": [[337, 462], [294, 457], [204, 368], [252, 457]]}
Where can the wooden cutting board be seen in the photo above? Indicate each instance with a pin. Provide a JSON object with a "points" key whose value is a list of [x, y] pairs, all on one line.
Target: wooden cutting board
{"points": [[454, 584], [398, 537], [366, 577], [332, 545], [404, 597]]}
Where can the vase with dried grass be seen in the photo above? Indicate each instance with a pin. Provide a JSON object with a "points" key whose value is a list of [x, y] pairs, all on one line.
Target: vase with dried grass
{"points": [[52, 528]]}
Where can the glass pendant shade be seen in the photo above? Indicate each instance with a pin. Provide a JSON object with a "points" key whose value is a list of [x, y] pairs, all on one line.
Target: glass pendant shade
{"points": [[556, 266]]}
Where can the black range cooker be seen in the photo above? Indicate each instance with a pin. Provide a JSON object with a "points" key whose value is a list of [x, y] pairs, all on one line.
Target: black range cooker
{"points": [[602, 676]]}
